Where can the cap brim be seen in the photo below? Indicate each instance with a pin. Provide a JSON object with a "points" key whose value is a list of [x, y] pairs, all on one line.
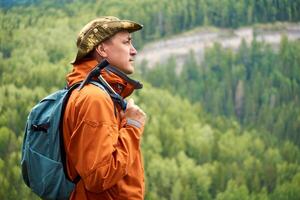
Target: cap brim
{"points": [[78, 57], [131, 26]]}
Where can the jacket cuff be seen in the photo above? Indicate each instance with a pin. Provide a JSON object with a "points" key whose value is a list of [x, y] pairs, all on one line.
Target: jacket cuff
{"points": [[134, 123]]}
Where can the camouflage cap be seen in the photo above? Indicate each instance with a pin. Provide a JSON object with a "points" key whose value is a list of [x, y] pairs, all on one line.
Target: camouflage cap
{"points": [[99, 30]]}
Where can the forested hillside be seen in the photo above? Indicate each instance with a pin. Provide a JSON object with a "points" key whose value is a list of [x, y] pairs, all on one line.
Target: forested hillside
{"points": [[224, 129], [257, 86]]}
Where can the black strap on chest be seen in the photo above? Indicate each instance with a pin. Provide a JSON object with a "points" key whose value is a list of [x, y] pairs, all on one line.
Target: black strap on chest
{"points": [[96, 73]]}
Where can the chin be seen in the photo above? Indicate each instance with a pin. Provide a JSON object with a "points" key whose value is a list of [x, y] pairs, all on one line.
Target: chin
{"points": [[129, 70], [126, 70]]}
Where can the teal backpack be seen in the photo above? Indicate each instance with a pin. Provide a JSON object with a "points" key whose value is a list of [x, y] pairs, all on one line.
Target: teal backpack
{"points": [[43, 159], [43, 156]]}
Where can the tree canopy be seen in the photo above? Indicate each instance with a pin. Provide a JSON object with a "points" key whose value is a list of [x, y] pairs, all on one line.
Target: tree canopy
{"points": [[227, 128]]}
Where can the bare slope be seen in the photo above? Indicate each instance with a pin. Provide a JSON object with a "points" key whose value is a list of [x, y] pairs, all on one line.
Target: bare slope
{"points": [[197, 40]]}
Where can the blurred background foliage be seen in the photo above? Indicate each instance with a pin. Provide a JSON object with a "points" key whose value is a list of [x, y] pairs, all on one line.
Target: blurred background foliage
{"points": [[227, 128]]}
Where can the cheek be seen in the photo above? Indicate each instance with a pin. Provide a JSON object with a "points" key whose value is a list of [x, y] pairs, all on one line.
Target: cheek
{"points": [[119, 56], [123, 54], [113, 55]]}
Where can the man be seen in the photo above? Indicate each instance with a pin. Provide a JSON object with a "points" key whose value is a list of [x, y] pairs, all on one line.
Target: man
{"points": [[102, 142]]}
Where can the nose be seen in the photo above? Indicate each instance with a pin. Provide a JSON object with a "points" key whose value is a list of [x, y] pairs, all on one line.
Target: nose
{"points": [[133, 51]]}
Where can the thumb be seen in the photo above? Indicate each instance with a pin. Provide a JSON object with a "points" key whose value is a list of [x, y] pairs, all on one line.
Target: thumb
{"points": [[130, 102]]}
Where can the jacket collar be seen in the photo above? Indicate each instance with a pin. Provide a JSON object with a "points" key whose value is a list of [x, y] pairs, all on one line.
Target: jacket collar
{"points": [[119, 81]]}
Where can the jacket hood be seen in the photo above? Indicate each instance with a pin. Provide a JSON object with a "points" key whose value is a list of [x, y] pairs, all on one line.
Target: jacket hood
{"points": [[119, 81]]}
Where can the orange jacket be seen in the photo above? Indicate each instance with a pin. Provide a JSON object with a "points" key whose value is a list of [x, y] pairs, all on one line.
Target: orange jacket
{"points": [[101, 147]]}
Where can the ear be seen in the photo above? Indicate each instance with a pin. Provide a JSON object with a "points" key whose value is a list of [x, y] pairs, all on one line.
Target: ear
{"points": [[100, 49]]}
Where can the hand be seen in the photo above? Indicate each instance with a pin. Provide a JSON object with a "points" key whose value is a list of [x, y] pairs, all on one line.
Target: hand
{"points": [[134, 112]]}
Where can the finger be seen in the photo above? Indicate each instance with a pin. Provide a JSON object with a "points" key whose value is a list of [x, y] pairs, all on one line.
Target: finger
{"points": [[143, 113], [122, 114]]}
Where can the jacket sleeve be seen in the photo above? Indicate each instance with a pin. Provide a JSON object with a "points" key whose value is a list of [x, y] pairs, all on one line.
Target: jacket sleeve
{"points": [[100, 151]]}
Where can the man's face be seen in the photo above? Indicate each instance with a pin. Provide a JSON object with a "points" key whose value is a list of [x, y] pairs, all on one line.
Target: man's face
{"points": [[120, 52]]}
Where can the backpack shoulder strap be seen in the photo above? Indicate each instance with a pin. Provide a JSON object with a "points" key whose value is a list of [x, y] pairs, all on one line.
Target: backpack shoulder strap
{"points": [[115, 98], [99, 85], [65, 101], [63, 151]]}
